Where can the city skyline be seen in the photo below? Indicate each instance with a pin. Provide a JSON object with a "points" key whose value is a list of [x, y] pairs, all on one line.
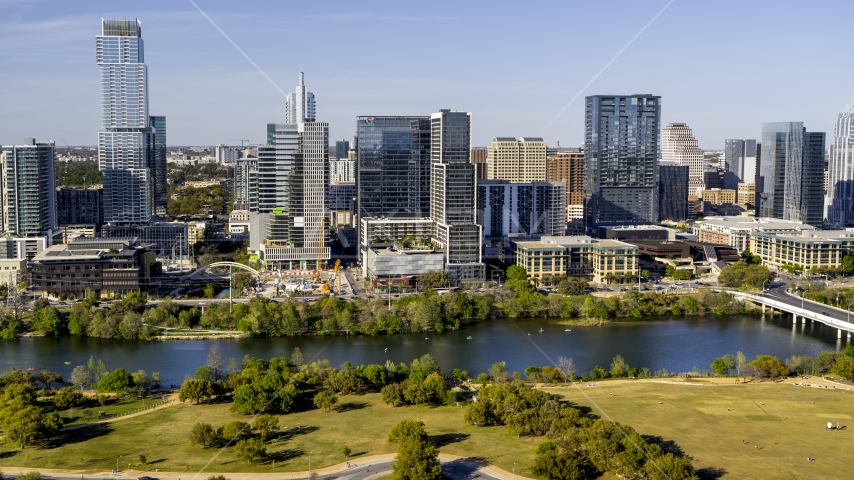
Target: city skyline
{"points": [[197, 76]]}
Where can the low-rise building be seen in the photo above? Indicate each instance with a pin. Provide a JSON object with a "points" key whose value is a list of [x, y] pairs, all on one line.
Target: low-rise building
{"points": [[747, 195], [385, 266], [196, 232], [719, 196], [12, 271], [736, 231], [806, 250], [23, 247], [104, 266], [599, 260]]}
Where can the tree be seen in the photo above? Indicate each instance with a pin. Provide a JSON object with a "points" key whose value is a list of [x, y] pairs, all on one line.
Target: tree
{"points": [[235, 431], [434, 279], [96, 369], [769, 366], [249, 449], [573, 286], [417, 459], [677, 273], [407, 429], [118, 381], [68, 397], [145, 382], [297, 359], [214, 361], [33, 475], [567, 465], [209, 291], [195, 390], [203, 434], [844, 367], [392, 394], [26, 424], [516, 272], [143, 459], [742, 365], [80, 376], [46, 321], [567, 367], [723, 365], [325, 400], [479, 414], [266, 425]]}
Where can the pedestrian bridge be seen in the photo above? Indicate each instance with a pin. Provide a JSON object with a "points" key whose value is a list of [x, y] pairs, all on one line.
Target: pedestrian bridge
{"points": [[817, 312], [199, 272]]}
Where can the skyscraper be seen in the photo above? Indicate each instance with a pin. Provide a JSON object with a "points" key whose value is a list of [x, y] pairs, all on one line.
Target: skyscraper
{"points": [[131, 145], [299, 104], [393, 167], [27, 187], [673, 192], [452, 195], [568, 166], [740, 159], [679, 145], [342, 149], [621, 160], [839, 199], [791, 173]]}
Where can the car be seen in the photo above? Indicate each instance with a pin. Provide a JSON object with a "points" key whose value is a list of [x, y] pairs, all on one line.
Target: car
{"points": [[824, 313], [146, 478]]}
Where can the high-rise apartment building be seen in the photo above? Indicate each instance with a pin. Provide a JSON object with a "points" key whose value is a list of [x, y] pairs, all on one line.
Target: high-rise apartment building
{"points": [[679, 146], [839, 199], [791, 173], [517, 160], [226, 155], [245, 172], [621, 160], [673, 192], [393, 167], [78, 206], [27, 187], [299, 104], [131, 144], [568, 166], [530, 209], [478, 158], [452, 195], [342, 171]]}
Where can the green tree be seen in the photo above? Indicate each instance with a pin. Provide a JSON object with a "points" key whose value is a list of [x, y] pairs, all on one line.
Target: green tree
{"points": [[325, 400], [417, 459], [844, 367], [769, 366], [723, 365], [407, 429], [434, 279], [118, 381], [143, 459], [47, 321], [68, 397], [26, 424], [573, 286], [249, 449], [80, 376], [516, 272], [235, 431], [209, 289], [266, 425], [203, 434], [393, 394], [195, 390]]}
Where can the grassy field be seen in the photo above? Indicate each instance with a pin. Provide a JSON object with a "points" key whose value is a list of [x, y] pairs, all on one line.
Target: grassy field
{"points": [[692, 417], [695, 417], [361, 423]]}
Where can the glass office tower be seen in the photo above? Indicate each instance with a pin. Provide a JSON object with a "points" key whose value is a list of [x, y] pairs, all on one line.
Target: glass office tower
{"points": [[621, 160], [839, 199], [393, 167], [131, 145], [791, 175]]}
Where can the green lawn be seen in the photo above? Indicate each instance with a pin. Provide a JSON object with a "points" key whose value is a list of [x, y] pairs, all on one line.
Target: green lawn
{"points": [[113, 407], [362, 424], [697, 420]]}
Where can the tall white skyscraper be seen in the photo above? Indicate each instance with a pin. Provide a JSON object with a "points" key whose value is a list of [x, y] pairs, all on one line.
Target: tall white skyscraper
{"points": [[131, 145], [839, 198], [679, 145], [299, 105]]}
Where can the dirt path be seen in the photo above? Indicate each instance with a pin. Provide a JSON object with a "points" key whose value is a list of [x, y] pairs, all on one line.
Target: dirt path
{"points": [[171, 399]]}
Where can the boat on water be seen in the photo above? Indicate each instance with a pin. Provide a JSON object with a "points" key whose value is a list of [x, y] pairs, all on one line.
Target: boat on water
{"points": [[541, 330], [31, 369], [468, 338], [568, 330]]}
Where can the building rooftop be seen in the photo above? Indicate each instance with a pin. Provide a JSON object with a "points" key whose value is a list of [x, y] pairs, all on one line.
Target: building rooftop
{"points": [[816, 236], [547, 242], [389, 251], [756, 223]]}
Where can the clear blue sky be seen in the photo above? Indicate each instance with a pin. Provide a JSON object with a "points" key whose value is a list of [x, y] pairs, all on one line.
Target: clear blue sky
{"points": [[722, 67]]}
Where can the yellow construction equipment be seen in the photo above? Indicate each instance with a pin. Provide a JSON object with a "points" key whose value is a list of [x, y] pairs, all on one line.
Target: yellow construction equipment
{"points": [[337, 275]]}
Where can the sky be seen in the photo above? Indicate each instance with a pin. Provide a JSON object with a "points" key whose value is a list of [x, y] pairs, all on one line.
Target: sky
{"points": [[723, 67]]}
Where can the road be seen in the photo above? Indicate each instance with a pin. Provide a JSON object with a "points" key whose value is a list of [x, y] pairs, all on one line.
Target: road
{"points": [[777, 291]]}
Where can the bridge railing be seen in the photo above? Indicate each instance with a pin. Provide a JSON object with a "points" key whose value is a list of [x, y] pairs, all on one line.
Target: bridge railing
{"points": [[795, 310]]}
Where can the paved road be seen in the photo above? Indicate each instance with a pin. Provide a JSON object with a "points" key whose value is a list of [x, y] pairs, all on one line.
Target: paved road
{"points": [[778, 292]]}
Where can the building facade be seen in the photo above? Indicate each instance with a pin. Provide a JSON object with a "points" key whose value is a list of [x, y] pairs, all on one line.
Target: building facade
{"points": [[245, 173], [740, 159], [528, 209], [342, 171], [808, 250], [601, 261], [76, 206], [679, 146], [27, 189], [568, 166], [621, 160], [673, 192], [519, 160], [131, 144], [791, 173], [299, 104], [736, 231], [839, 199]]}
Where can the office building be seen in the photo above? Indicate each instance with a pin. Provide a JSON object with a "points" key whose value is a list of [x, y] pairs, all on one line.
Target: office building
{"points": [[517, 160], [299, 104], [104, 266], [601, 261], [27, 187], [76, 206], [568, 166], [747, 195], [165, 239], [342, 150], [839, 199], [805, 250], [740, 158], [791, 173], [621, 160], [679, 146], [452, 198], [719, 196], [393, 167], [673, 192], [478, 158], [131, 144], [736, 231], [520, 209]]}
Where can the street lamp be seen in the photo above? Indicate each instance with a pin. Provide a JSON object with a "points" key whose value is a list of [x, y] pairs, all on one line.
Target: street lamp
{"points": [[117, 464]]}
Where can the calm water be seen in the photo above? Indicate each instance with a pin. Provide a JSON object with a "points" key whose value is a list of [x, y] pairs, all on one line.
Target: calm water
{"points": [[677, 345]]}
